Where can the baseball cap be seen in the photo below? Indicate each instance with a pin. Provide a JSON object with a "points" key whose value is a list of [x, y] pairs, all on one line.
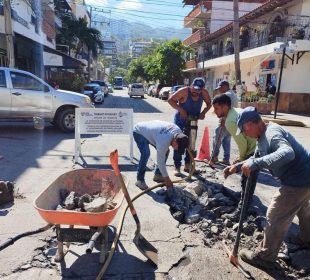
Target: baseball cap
{"points": [[246, 115], [182, 141], [198, 83], [222, 83]]}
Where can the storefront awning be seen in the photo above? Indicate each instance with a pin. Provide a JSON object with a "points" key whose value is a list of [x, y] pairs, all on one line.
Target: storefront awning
{"points": [[54, 58], [248, 54]]}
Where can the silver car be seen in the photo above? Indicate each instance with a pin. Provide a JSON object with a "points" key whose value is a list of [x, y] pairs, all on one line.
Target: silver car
{"points": [[25, 96], [136, 89]]}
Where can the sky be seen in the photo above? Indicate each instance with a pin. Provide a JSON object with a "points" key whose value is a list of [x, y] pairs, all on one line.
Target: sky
{"points": [[155, 13]]}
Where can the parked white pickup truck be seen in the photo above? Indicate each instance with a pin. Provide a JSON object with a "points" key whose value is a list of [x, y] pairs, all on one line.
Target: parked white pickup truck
{"points": [[24, 96]]}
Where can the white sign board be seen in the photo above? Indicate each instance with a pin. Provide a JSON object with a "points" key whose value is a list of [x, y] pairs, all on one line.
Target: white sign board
{"points": [[102, 121], [51, 59]]}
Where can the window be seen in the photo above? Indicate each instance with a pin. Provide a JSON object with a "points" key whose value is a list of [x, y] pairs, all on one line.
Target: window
{"points": [[24, 81], [2, 79]]}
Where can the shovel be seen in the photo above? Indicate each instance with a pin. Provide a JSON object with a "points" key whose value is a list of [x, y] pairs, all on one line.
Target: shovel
{"points": [[145, 247], [233, 256]]}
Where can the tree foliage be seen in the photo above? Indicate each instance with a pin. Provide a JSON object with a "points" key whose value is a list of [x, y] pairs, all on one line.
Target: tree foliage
{"points": [[165, 63], [118, 72], [137, 69]]}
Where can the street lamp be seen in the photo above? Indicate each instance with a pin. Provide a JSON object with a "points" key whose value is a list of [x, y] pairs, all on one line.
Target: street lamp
{"points": [[283, 49]]}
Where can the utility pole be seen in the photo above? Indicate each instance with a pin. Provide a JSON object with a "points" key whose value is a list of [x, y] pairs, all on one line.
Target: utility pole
{"points": [[90, 26], [89, 50], [236, 35], [203, 52], [9, 33], [279, 85]]}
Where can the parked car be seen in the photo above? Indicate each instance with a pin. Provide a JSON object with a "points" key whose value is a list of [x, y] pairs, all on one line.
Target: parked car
{"points": [[25, 96], [164, 93], [110, 88], [155, 91], [136, 89], [149, 90], [94, 92], [104, 86], [175, 88]]}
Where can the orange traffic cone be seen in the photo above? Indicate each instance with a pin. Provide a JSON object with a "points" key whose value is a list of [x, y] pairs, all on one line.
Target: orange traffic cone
{"points": [[204, 151]]}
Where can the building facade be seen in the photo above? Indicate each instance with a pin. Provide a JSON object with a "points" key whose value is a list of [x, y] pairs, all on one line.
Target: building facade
{"points": [[34, 27], [136, 49], [264, 31]]}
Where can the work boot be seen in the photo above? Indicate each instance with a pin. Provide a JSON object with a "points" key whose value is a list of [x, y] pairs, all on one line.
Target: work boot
{"points": [[224, 161], [158, 178], [142, 185], [234, 216], [215, 159], [254, 259], [177, 172]]}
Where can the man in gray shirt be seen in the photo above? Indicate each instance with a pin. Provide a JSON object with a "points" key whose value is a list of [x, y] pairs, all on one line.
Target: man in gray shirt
{"points": [[160, 135], [287, 160]]}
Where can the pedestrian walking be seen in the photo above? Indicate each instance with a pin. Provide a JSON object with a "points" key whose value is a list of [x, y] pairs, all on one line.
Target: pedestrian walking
{"points": [[220, 131], [244, 88], [246, 145], [161, 135], [188, 102], [289, 161]]}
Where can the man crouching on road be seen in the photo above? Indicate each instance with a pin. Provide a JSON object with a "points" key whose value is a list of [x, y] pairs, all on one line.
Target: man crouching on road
{"points": [[287, 160], [161, 135]]}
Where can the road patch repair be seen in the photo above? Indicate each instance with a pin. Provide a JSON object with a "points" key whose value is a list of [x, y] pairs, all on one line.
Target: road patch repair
{"points": [[202, 205]]}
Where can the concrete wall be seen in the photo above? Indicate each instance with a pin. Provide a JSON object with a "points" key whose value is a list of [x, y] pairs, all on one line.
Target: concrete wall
{"points": [[222, 13], [24, 11]]}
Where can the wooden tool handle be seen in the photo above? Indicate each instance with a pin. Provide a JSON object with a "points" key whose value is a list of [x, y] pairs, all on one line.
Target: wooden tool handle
{"points": [[114, 162], [115, 166]]}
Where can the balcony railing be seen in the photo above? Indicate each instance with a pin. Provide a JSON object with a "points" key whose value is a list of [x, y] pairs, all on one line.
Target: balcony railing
{"points": [[194, 38], [198, 14], [191, 64], [292, 29]]}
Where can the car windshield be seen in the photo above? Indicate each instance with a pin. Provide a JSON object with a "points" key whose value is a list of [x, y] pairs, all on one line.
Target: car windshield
{"points": [[137, 86], [101, 83], [89, 87]]}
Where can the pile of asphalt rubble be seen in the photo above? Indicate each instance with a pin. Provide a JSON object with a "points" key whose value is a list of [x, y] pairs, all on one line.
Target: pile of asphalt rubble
{"points": [[203, 204], [85, 203]]}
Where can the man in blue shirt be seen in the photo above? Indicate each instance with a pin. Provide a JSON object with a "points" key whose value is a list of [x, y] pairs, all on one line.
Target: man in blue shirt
{"points": [[287, 160], [188, 102]]}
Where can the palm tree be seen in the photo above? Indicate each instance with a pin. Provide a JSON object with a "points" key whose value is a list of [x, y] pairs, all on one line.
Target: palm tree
{"points": [[76, 34]]}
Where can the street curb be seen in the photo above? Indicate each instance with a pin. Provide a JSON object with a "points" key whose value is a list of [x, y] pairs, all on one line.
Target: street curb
{"points": [[284, 122]]}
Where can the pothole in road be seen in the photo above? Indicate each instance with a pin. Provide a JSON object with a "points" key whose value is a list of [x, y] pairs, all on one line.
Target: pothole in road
{"points": [[203, 204]]}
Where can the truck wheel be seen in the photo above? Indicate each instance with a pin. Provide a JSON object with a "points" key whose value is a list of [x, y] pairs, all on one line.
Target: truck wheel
{"points": [[66, 120]]}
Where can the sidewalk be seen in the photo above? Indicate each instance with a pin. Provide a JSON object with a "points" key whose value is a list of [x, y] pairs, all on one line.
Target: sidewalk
{"points": [[289, 119]]}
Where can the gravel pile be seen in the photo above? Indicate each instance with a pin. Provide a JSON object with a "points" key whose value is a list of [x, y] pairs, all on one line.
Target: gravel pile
{"points": [[203, 204], [85, 203]]}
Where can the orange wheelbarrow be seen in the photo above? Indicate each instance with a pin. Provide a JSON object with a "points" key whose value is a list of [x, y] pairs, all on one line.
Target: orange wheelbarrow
{"points": [[81, 181]]}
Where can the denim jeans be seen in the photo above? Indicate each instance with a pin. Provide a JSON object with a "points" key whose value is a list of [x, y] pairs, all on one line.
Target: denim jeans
{"points": [[177, 156], [225, 142], [144, 148]]}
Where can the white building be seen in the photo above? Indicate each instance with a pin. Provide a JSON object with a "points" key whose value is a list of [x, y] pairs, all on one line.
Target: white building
{"points": [[136, 49], [263, 30]]}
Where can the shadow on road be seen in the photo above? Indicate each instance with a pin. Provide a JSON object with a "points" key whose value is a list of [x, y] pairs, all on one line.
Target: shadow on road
{"points": [[137, 104], [22, 145]]}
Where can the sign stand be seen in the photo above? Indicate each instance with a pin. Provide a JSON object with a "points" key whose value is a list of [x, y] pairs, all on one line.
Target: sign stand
{"points": [[115, 121]]}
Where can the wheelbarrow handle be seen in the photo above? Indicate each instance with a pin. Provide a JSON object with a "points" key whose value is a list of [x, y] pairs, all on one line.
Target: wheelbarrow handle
{"points": [[114, 162], [115, 166]]}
